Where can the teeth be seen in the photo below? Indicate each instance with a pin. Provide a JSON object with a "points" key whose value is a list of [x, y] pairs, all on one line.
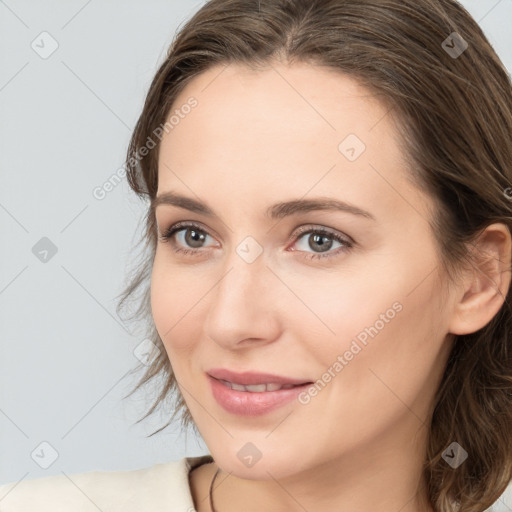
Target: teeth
{"points": [[257, 388]]}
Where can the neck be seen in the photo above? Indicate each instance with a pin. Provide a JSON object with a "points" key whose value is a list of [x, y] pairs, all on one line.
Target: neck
{"points": [[380, 478]]}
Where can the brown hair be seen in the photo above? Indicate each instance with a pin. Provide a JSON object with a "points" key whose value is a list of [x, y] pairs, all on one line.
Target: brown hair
{"points": [[455, 114]]}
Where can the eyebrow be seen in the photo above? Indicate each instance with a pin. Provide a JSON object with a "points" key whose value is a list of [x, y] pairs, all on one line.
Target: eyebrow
{"points": [[276, 211]]}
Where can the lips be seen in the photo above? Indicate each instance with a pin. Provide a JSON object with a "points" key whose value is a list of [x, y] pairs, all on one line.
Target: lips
{"points": [[252, 399], [253, 394], [253, 379]]}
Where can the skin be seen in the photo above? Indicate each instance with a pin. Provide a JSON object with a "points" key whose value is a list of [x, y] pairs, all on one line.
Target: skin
{"points": [[257, 138]]}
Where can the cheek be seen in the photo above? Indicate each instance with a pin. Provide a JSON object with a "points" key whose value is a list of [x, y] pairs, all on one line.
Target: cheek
{"points": [[347, 305], [175, 304], [389, 362], [387, 318]]}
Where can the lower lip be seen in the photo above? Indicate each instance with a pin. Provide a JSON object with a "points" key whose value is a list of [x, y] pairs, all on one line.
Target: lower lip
{"points": [[247, 403]]}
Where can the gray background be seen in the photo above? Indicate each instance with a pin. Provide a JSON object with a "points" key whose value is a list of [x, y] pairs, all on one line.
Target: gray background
{"points": [[65, 122]]}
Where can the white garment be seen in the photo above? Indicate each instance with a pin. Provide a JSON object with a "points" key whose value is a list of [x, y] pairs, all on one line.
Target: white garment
{"points": [[158, 488]]}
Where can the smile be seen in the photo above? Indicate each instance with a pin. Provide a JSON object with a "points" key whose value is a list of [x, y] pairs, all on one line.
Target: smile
{"points": [[257, 388], [254, 399]]}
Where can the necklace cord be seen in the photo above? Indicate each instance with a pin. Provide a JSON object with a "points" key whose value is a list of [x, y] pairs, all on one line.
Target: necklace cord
{"points": [[210, 493]]}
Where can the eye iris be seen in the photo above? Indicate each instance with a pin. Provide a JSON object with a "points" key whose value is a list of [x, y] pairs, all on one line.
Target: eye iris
{"points": [[196, 237], [325, 243]]}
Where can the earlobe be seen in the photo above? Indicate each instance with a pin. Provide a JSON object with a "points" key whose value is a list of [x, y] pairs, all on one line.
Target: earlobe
{"points": [[484, 290]]}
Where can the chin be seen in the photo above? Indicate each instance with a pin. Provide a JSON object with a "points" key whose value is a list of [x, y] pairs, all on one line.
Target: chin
{"points": [[273, 462]]}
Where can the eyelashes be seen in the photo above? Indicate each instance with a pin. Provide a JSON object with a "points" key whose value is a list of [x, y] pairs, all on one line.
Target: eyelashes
{"points": [[321, 235]]}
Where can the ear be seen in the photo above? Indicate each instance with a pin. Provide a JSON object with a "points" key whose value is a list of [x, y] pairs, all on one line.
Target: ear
{"points": [[485, 286]]}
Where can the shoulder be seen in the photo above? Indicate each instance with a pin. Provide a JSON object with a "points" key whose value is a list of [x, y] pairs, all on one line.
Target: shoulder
{"points": [[158, 487]]}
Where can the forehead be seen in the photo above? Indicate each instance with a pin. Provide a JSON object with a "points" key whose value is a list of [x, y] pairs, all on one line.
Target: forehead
{"points": [[287, 129], [275, 96]]}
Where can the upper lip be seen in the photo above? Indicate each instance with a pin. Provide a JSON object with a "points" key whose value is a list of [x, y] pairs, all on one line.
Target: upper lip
{"points": [[249, 378]]}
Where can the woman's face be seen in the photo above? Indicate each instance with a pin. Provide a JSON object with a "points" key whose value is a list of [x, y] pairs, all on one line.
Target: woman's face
{"points": [[357, 308]]}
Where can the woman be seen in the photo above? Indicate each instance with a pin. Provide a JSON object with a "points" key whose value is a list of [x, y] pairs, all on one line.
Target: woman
{"points": [[328, 268]]}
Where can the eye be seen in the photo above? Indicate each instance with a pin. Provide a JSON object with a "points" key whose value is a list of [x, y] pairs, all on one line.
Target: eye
{"points": [[189, 234], [191, 238], [322, 239]]}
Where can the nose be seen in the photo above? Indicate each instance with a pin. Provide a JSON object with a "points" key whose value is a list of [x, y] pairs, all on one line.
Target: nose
{"points": [[243, 308]]}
